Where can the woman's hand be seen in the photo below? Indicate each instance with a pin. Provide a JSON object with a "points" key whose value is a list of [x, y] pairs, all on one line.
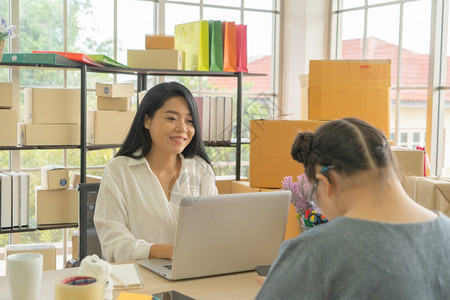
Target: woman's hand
{"points": [[261, 279], [161, 251]]}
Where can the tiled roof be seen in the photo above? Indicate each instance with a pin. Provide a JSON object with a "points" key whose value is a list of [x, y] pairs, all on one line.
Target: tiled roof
{"points": [[259, 83], [414, 65], [414, 70]]}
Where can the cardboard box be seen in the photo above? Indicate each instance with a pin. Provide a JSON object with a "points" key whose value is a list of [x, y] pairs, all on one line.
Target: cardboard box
{"points": [[223, 183], [54, 177], [107, 103], [8, 125], [156, 59], [292, 229], [75, 244], [304, 80], [52, 106], [432, 193], [48, 250], [410, 161], [49, 134], [156, 41], [108, 126], [114, 90], [243, 186], [350, 88], [56, 206], [75, 179], [6, 95], [270, 150]]}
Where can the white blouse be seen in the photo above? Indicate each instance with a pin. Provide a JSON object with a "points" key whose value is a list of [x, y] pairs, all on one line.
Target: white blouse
{"points": [[132, 211]]}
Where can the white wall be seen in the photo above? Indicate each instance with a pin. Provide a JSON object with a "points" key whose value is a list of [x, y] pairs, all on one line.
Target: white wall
{"points": [[305, 37]]}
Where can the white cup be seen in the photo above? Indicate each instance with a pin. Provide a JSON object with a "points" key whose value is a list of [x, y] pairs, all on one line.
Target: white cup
{"points": [[24, 271]]}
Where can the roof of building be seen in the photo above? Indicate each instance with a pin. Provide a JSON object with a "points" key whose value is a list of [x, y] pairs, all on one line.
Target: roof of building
{"points": [[259, 84], [414, 71]]}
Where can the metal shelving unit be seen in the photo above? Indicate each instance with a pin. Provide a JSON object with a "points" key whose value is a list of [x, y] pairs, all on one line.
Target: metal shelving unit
{"points": [[142, 75]]}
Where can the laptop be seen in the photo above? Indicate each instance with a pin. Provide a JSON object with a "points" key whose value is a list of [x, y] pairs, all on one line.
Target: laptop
{"points": [[225, 233]]}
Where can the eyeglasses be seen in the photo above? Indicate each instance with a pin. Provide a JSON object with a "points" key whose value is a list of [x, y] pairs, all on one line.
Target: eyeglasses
{"points": [[324, 172]]}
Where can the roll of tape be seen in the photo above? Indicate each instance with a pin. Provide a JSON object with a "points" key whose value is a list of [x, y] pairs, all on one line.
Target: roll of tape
{"points": [[79, 287]]}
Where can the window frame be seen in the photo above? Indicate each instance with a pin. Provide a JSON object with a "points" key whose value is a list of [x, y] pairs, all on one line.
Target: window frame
{"points": [[435, 87]]}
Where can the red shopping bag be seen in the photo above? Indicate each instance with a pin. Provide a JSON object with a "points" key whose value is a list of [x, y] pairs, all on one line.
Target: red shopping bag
{"points": [[229, 46], [426, 161], [241, 48]]}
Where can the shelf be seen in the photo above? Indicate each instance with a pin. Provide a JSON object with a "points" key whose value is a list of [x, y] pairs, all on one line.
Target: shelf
{"points": [[68, 64], [141, 75], [57, 226], [49, 147], [18, 229], [55, 147], [32, 227], [231, 143], [166, 72]]}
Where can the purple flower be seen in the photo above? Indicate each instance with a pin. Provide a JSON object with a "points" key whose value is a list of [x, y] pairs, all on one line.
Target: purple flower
{"points": [[301, 190], [6, 31]]}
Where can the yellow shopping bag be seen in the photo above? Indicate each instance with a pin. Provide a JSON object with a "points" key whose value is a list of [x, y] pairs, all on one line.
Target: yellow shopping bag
{"points": [[193, 39]]}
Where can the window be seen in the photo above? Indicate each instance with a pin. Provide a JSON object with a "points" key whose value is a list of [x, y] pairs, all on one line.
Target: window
{"points": [[416, 137], [402, 32], [112, 27]]}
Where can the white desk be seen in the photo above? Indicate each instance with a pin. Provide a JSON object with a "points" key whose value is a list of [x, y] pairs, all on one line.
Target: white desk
{"points": [[233, 286]]}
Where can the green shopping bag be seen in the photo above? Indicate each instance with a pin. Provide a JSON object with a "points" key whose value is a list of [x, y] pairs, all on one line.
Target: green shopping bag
{"points": [[193, 39], [215, 46]]}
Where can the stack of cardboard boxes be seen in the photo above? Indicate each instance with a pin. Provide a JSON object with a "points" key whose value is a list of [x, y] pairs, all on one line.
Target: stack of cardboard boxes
{"points": [[159, 53], [350, 88], [271, 161], [8, 116], [110, 123], [52, 117], [336, 89], [56, 201]]}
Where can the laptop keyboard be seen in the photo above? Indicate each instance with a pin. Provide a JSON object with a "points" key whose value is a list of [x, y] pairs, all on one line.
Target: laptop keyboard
{"points": [[168, 267]]}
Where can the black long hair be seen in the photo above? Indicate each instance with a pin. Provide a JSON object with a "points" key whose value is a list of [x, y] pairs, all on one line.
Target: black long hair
{"points": [[139, 138]]}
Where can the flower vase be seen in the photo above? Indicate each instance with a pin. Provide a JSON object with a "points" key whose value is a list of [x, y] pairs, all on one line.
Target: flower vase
{"points": [[2, 47]]}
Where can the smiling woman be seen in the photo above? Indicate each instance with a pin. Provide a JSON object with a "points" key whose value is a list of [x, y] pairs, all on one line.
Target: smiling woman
{"points": [[171, 128], [161, 161]]}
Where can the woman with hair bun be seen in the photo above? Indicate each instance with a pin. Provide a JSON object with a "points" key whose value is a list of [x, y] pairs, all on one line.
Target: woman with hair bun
{"points": [[378, 243]]}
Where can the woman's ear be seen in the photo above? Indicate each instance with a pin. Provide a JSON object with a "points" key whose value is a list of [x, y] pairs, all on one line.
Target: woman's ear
{"points": [[328, 182], [147, 122]]}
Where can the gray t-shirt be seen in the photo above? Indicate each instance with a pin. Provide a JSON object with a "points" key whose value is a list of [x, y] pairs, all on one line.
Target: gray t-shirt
{"points": [[357, 259]]}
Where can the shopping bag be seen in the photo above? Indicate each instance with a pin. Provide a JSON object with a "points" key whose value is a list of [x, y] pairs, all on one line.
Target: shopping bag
{"points": [[215, 46], [229, 46], [241, 48], [193, 39]]}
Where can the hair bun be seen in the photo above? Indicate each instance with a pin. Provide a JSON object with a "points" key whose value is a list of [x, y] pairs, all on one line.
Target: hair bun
{"points": [[302, 147]]}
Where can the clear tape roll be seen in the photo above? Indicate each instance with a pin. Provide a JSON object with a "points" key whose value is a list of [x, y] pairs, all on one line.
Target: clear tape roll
{"points": [[79, 287], [93, 266]]}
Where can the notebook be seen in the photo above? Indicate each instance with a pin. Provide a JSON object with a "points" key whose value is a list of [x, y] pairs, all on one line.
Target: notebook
{"points": [[225, 234], [126, 276]]}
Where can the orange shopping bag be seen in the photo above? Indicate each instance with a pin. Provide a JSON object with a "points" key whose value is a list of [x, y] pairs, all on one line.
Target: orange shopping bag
{"points": [[241, 48], [229, 46]]}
